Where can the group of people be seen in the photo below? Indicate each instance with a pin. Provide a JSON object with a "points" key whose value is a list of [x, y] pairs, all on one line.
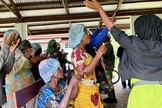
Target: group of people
{"points": [[140, 62]]}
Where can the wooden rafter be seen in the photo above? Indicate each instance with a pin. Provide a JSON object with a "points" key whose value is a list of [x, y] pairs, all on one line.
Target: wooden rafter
{"points": [[65, 4], [15, 9], [82, 16], [65, 30], [9, 8], [56, 4], [29, 31]]}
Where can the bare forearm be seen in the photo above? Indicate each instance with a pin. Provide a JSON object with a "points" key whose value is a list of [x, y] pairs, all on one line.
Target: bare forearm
{"points": [[105, 19], [89, 69], [65, 101], [75, 91]]}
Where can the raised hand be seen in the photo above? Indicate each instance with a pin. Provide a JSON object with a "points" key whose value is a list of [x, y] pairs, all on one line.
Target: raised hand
{"points": [[10, 39], [14, 46], [100, 23], [101, 50], [75, 79], [92, 4]]}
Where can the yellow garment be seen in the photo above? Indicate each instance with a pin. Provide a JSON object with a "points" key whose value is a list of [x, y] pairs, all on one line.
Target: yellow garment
{"points": [[83, 99], [145, 96], [88, 91]]}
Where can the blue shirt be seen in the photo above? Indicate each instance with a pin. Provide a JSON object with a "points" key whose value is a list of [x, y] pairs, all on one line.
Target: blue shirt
{"points": [[95, 40], [47, 98]]}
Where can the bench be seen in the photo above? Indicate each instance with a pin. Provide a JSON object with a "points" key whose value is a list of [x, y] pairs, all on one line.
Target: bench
{"points": [[26, 94]]}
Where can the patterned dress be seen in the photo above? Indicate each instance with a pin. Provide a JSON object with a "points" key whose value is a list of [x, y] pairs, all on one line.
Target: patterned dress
{"points": [[17, 81], [88, 91], [47, 98]]}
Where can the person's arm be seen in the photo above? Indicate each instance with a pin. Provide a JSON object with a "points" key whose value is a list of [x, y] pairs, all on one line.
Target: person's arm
{"points": [[75, 91], [118, 35], [74, 81], [96, 6], [95, 33], [65, 101], [4, 55], [98, 39], [79, 64], [9, 64], [11, 58]]}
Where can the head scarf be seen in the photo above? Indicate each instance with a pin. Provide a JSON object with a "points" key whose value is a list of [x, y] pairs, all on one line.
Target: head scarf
{"points": [[35, 47], [23, 45], [47, 68], [76, 34], [51, 46]]}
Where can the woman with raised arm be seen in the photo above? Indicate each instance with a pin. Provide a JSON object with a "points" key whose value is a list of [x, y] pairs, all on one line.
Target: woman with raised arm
{"points": [[88, 93], [142, 57]]}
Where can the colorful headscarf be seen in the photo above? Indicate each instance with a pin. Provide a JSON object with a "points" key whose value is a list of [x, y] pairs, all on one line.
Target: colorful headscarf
{"points": [[47, 68], [76, 34]]}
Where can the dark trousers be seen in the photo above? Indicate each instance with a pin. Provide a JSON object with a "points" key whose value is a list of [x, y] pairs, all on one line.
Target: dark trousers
{"points": [[124, 83]]}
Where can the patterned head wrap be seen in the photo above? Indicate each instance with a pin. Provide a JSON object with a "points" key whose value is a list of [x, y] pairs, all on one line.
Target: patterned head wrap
{"points": [[47, 68], [36, 46], [76, 34]]}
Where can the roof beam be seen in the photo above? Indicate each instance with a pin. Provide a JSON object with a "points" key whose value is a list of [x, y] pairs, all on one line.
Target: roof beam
{"points": [[9, 8], [65, 4], [15, 9], [56, 23], [56, 4], [82, 16], [92, 15], [29, 31], [65, 30]]}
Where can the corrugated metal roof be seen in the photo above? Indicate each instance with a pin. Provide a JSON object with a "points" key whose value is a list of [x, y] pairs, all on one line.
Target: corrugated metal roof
{"points": [[53, 14]]}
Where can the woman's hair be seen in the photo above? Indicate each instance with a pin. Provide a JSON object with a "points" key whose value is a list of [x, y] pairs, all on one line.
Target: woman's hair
{"points": [[148, 27]]}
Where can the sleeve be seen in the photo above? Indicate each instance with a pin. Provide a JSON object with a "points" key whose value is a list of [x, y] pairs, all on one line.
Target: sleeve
{"points": [[123, 39], [98, 39], [78, 57], [9, 64], [4, 55], [97, 30]]}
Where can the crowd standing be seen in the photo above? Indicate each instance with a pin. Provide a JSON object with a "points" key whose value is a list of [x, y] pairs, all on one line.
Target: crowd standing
{"points": [[22, 63]]}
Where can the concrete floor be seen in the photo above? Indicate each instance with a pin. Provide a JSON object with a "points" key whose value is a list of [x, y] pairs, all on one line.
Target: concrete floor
{"points": [[121, 95]]}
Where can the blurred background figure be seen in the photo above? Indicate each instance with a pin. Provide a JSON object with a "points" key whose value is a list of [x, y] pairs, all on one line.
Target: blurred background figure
{"points": [[119, 54], [35, 60]]}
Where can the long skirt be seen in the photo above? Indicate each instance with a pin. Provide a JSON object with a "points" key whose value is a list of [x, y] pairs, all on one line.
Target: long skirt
{"points": [[88, 97]]}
